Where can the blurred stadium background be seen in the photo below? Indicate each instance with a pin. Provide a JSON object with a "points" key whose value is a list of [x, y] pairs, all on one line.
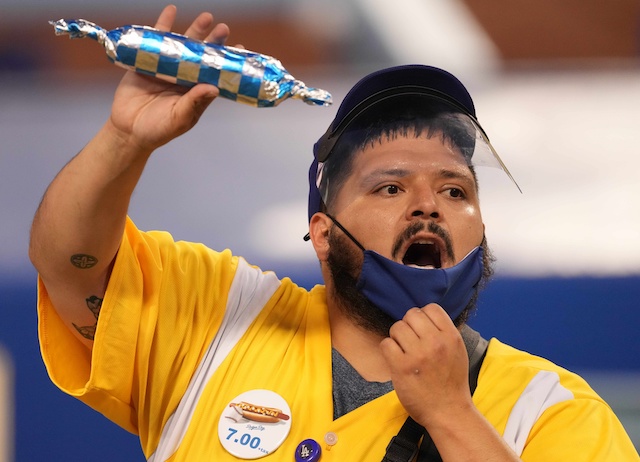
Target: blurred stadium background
{"points": [[556, 86]]}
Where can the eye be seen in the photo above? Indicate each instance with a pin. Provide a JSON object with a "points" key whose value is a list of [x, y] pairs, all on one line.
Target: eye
{"points": [[388, 190], [455, 193]]}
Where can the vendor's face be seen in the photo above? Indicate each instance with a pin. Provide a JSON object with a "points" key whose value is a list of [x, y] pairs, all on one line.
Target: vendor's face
{"points": [[412, 200]]}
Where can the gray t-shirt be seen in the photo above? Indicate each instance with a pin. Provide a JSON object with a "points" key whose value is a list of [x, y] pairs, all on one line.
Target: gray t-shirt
{"points": [[350, 390]]}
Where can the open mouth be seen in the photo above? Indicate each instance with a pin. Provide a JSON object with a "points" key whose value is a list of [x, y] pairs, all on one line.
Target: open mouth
{"points": [[423, 255]]}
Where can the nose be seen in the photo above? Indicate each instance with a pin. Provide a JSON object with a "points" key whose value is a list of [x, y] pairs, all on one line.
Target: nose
{"points": [[423, 205]]}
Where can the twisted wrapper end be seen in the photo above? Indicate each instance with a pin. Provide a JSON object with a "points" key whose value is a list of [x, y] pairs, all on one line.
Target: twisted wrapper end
{"points": [[311, 96], [79, 28]]}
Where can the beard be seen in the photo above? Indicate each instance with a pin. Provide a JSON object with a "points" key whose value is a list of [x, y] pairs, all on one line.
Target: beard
{"points": [[345, 264]]}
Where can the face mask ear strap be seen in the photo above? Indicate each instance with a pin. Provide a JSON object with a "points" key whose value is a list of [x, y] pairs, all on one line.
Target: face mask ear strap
{"points": [[343, 229]]}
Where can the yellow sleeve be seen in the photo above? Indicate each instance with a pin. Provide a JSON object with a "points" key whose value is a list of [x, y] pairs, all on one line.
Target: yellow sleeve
{"points": [[580, 430], [560, 419], [164, 303]]}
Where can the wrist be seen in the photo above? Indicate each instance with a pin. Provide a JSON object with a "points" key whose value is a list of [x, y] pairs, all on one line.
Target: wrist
{"points": [[115, 140], [449, 418], [463, 433]]}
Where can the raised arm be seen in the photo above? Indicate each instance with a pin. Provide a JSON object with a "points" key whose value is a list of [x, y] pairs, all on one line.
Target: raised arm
{"points": [[79, 224]]}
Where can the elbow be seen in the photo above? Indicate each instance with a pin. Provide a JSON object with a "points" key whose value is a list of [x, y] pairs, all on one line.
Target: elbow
{"points": [[34, 253]]}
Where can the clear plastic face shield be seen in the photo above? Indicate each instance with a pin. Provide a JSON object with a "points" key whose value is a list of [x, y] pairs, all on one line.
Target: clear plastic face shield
{"points": [[429, 116]]}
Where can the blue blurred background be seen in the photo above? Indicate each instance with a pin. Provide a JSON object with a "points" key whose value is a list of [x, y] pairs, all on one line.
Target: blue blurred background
{"points": [[556, 86]]}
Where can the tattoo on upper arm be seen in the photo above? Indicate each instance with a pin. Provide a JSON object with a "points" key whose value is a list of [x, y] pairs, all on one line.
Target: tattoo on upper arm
{"points": [[83, 261], [94, 304]]}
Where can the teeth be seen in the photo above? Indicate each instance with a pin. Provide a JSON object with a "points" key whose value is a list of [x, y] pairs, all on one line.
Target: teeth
{"points": [[422, 267]]}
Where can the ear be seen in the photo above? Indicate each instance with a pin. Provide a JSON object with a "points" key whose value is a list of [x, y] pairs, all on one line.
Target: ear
{"points": [[319, 227]]}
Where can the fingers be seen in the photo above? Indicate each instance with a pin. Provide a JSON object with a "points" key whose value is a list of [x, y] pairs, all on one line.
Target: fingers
{"points": [[423, 321], [202, 28], [219, 34], [435, 314], [390, 350], [166, 19], [193, 104], [408, 334], [422, 324]]}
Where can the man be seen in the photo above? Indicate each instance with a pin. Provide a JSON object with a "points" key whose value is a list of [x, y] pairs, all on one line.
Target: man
{"points": [[208, 358]]}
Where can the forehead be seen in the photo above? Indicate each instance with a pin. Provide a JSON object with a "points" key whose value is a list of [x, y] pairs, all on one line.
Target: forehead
{"points": [[413, 155]]}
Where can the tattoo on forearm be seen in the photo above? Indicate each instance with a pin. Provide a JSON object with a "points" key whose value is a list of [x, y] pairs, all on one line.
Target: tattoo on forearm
{"points": [[83, 261], [94, 304]]}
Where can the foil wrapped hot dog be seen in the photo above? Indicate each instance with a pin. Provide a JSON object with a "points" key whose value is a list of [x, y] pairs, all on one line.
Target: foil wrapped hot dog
{"points": [[241, 75]]}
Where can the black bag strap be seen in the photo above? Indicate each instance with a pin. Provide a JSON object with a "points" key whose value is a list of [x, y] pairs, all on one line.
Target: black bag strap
{"points": [[406, 445]]}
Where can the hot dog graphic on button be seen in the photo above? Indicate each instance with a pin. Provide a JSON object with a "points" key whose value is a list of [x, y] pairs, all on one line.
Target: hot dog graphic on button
{"points": [[254, 424]]}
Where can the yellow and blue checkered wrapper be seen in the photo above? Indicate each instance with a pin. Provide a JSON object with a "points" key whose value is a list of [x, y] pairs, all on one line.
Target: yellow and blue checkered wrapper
{"points": [[240, 75]]}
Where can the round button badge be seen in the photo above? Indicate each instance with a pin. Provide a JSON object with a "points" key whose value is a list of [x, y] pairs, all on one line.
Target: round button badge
{"points": [[308, 451], [254, 424]]}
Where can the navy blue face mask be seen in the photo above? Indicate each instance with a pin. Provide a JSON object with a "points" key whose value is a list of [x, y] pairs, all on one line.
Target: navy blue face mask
{"points": [[396, 288]]}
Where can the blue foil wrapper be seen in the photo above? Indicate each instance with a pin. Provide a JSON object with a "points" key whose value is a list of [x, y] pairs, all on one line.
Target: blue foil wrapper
{"points": [[241, 75]]}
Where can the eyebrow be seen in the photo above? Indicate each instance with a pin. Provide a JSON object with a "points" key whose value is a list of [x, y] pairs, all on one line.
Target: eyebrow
{"points": [[446, 173], [377, 175], [456, 175]]}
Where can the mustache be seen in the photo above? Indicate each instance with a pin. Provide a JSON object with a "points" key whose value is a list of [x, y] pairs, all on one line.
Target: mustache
{"points": [[418, 226]]}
